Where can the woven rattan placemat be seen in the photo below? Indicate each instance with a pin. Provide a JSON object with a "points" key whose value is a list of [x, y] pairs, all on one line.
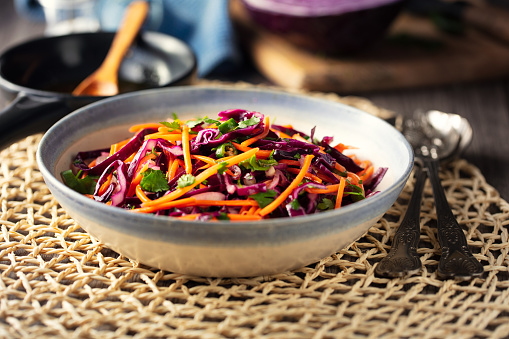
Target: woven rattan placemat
{"points": [[58, 282]]}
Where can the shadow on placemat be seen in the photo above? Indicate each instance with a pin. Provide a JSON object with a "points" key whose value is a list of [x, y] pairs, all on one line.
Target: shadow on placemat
{"points": [[57, 281]]}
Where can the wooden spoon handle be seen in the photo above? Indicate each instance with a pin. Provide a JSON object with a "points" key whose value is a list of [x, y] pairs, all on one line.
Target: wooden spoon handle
{"points": [[134, 17]]}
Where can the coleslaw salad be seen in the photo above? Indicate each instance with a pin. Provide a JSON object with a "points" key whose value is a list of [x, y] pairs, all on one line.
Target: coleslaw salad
{"points": [[238, 167]]}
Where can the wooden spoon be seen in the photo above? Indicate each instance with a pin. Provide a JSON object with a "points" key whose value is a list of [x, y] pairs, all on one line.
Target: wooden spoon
{"points": [[104, 81]]}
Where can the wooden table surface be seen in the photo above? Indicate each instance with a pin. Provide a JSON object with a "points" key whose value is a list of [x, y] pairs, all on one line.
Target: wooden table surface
{"points": [[485, 105]]}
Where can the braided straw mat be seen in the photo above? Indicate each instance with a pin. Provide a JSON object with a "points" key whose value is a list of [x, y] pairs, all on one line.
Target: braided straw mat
{"points": [[58, 282]]}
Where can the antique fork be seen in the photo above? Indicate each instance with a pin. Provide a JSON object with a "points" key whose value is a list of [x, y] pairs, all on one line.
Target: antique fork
{"points": [[434, 136]]}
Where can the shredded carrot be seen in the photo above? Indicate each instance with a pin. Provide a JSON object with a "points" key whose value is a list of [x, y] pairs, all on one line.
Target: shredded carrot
{"points": [[341, 147], [140, 194], [146, 159], [115, 147], [224, 203], [253, 210], [189, 216], [355, 180], [244, 209], [209, 161], [173, 169], [307, 175], [329, 189], [339, 167], [239, 217], [137, 179], [232, 217], [259, 153], [341, 189], [105, 185], [257, 137], [165, 136], [90, 165], [186, 148], [137, 128], [300, 138], [130, 158], [367, 173], [247, 203], [203, 167], [280, 134], [203, 158], [168, 205], [199, 179], [281, 198]]}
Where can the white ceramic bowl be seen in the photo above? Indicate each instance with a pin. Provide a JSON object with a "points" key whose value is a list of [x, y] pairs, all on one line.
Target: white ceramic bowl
{"points": [[224, 249]]}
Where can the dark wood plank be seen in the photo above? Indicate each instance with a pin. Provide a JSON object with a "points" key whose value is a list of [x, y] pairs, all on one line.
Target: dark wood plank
{"points": [[485, 105]]}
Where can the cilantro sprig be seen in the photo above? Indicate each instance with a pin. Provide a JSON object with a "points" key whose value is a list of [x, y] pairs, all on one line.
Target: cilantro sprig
{"points": [[264, 198], [83, 186], [186, 180], [154, 181]]}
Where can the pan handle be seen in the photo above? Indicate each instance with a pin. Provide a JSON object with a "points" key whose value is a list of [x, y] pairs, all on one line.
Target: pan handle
{"points": [[28, 114]]}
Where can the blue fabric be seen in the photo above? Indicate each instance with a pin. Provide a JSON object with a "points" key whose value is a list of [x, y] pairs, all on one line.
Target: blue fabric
{"points": [[203, 24]]}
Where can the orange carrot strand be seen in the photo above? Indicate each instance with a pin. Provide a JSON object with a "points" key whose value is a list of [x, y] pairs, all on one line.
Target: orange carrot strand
{"points": [[307, 175], [199, 179], [186, 149], [282, 197], [341, 189], [262, 135], [139, 127], [329, 189], [140, 194]]}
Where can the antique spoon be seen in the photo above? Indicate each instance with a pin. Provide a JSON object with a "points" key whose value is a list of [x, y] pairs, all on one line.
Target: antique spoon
{"points": [[104, 81], [435, 136]]}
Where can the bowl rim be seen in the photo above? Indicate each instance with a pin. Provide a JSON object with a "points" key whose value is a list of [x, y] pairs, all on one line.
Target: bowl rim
{"points": [[154, 221]]}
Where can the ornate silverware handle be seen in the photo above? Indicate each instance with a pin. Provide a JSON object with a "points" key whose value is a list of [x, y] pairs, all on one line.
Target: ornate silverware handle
{"points": [[456, 260], [403, 258]]}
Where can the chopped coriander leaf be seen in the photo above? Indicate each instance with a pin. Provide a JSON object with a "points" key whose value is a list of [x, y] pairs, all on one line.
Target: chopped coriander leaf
{"points": [[194, 123], [154, 181], [325, 204], [264, 198], [222, 216], [223, 166], [249, 122], [186, 180], [344, 174], [174, 125], [83, 186], [227, 126], [175, 116], [258, 164], [294, 204], [355, 192]]}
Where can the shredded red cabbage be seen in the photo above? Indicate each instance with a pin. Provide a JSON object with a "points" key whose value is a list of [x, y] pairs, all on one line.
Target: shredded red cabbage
{"points": [[234, 191]]}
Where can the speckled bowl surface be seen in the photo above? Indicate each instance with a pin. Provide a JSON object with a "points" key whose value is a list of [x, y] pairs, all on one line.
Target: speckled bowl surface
{"points": [[224, 249]]}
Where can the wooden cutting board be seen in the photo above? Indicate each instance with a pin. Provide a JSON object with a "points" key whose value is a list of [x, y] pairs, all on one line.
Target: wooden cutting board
{"points": [[437, 59]]}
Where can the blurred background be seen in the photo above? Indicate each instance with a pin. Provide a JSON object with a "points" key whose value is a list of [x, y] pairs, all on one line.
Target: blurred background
{"points": [[401, 55]]}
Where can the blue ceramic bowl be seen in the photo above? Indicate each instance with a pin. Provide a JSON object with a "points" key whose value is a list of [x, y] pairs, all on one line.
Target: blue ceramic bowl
{"points": [[224, 249]]}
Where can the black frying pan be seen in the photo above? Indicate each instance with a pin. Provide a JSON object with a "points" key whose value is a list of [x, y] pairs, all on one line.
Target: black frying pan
{"points": [[38, 76]]}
